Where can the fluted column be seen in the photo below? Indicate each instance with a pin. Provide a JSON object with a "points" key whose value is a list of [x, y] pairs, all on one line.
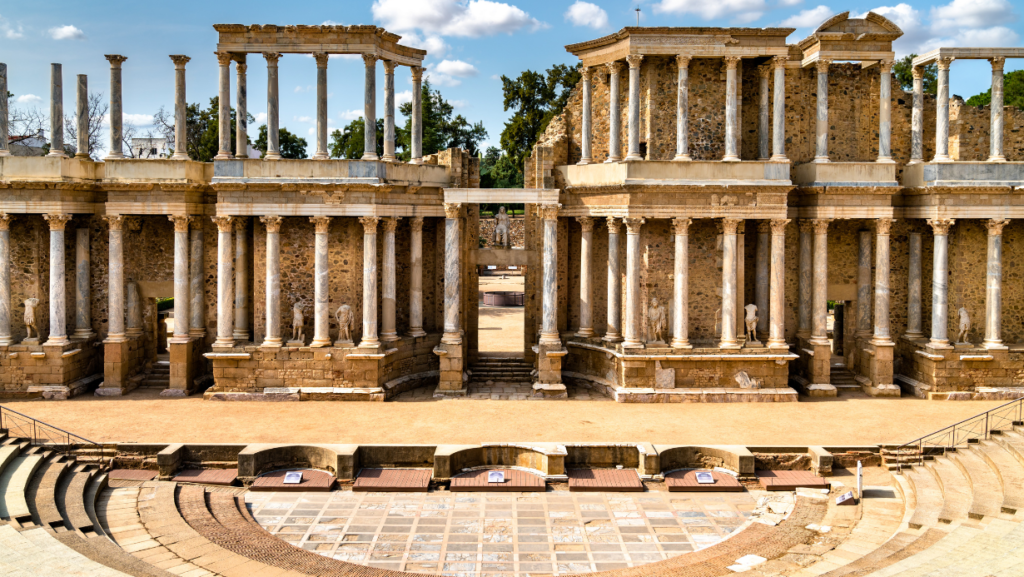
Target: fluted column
{"points": [[632, 337], [224, 106], [197, 271], [917, 117], [763, 120], [585, 129], [762, 272], [416, 121], [613, 328], [940, 281], [4, 117], [370, 338], [885, 112], [115, 278], [777, 313], [225, 282], [83, 285], [180, 109], [614, 116], [586, 291], [273, 106], [821, 125], [241, 330], [779, 110], [549, 321], [116, 107], [389, 111], [994, 282], [5, 269], [683, 109], [996, 105], [681, 285], [633, 152], [389, 303], [321, 286], [416, 278], [819, 314], [728, 339], [273, 266], [452, 274], [56, 110], [942, 113], [864, 284], [321, 106], [731, 116], [58, 320], [370, 108], [806, 275], [82, 118], [181, 277], [882, 335], [914, 288], [241, 112]]}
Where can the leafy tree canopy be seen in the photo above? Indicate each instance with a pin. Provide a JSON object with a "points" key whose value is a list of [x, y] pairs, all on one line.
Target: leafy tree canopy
{"points": [[291, 145], [349, 143], [498, 171], [202, 128], [1013, 92], [442, 128], [903, 69]]}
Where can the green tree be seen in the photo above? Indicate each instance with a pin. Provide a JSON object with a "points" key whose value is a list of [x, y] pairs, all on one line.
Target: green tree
{"points": [[903, 70], [202, 129], [1013, 91], [348, 143], [442, 128], [290, 144], [487, 161]]}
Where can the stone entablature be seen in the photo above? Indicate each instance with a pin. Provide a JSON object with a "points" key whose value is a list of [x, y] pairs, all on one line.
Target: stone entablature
{"points": [[305, 39], [840, 37], [694, 42]]}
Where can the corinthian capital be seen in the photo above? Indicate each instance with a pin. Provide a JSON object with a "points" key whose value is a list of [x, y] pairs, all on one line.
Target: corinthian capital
{"points": [[634, 60], [273, 223], [452, 210], [180, 60], [586, 223], [548, 211], [181, 222], [822, 65], [323, 223], [369, 224], [995, 226], [941, 226], [681, 226], [633, 224], [5, 221], [882, 226], [224, 223], [779, 226]]}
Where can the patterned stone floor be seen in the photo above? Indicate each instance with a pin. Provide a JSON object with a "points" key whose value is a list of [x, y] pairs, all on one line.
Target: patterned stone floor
{"points": [[478, 534], [501, 392]]}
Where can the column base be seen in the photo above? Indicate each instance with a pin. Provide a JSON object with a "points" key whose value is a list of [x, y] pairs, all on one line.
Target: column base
{"points": [[56, 342], [632, 344], [633, 157], [175, 156], [915, 335], [994, 345], [803, 334], [612, 338], [238, 335], [584, 162], [550, 340], [5, 152], [344, 344], [224, 156], [389, 337], [821, 160], [6, 340], [179, 339], [612, 159], [777, 344], [373, 343], [942, 158], [682, 158], [417, 160], [452, 338], [778, 158], [730, 158], [56, 152], [220, 343], [999, 158], [318, 343], [197, 333], [417, 332], [115, 338], [939, 344], [681, 344], [132, 333], [731, 345], [272, 343], [819, 341], [83, 334], [585, 333], [389, 157], [915, 161], [111, 156], [370, 156], [882, 342], [81, 156], [321, 155], [272, 156], [885, 160]]}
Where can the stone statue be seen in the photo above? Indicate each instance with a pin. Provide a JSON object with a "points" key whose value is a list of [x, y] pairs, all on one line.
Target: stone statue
{"points": [[656, 322], [298, 335], [746, 382], [134, 324], [30, 319], [502, 229], [750, 320], [718, 322], [344, 318], [965, 325]]}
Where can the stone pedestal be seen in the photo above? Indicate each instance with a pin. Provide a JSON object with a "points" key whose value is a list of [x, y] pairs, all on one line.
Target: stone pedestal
{"points": [[452, 371], [549, 372], [118, 368], [182, 369]]}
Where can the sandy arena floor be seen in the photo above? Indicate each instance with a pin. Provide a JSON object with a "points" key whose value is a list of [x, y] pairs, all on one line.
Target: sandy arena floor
{"points": [[501, 328]]}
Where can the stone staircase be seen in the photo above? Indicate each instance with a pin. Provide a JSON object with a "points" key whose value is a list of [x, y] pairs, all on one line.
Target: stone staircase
{"points": [[843, 378], [158, 377], [501, 370]]}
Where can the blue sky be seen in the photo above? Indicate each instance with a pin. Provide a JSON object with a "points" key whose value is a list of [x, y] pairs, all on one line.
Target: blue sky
{"points": [[471, 44]]}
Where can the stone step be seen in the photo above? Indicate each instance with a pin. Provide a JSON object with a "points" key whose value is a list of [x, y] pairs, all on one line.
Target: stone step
{"points": [[956, 490], [76, 517], [13, 485], [40, 553], [967, 552], [1008, 470], [105, 552], [985, 488], [928, 497], [96, 486], [42, 498]]}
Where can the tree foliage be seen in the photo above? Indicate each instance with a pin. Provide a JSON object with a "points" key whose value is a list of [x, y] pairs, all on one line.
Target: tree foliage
{"points": [[442, 128], [498, 171], [349, 143], [1013, 92], [97, 110], [202, 127], [903, 70], [290, 144]]}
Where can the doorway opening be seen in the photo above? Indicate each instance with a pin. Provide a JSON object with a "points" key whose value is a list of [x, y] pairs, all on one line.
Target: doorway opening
{"points": [[501, 310]]}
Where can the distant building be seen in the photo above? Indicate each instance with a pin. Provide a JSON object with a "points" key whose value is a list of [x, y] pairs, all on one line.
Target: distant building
{"points": [[28, 145], [149, 147]]}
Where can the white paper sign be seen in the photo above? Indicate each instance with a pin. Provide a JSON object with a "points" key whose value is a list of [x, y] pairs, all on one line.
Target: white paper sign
{"points": [[705, 479], [496, 477], [845, 499], [293, 477]]}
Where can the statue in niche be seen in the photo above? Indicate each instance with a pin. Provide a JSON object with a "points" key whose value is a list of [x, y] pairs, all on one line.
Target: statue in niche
{"points": [[965, 325], [502, 229], [344, 317], [750, 320], [298, 320], [134, 327], [656, 322], [30, 319]]}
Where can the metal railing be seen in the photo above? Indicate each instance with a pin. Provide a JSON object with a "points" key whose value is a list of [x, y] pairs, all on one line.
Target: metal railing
{"points": [[978, 427], [41, 434]]}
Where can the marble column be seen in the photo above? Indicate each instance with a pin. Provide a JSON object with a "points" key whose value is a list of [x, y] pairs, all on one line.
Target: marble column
{"points": [[777, 312], [181, 278], [389, 111], [180, 108], [56, 111], [370, 338], [779, 110], [942, 114], [321, 106], [416, 278], [82, 118], [586, 128], [821, 126], [4, 117], [58, 318], [370, 108], [549, 321], [996, 106], [683, 109], [914, 288], [116, 107], [885, 112], [731, 115], [83, 285], [241, 122], [197, 271], [762, 273], [321, 285], [613, 327], [273, 266], [241, 330], [632, 337], [882, 335], [224, 107], [586, 291], [417, 116], [864, 284], [5, 270], [452, 274], [614, 116], [763, 119], [994, 283], [917, 117], [819, 311], [806, 275], [940, 282], [681, 285], [633, 139], [389, 332], [225, 282], [728, 339], [115, 278], [273, 106]]}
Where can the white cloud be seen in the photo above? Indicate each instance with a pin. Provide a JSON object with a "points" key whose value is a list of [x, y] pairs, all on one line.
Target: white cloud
{"points": [[438, 79], [586, 14], [68, 32], [136, 119], [980, 38], [810, 18], [403, 97], [10, 31], [261, 118], [915, 33], [790, 3], [330, 23], [300, 89], [305, 119], [350, 115], [959, 23], [459, 104], [28, 99], [433, 44], [345, 57], [971, 14], [456, 68], [471, 18], [740, 11]]}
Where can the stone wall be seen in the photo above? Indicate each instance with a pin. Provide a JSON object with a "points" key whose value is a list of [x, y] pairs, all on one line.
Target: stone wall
{"points": [[517, 232]]}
